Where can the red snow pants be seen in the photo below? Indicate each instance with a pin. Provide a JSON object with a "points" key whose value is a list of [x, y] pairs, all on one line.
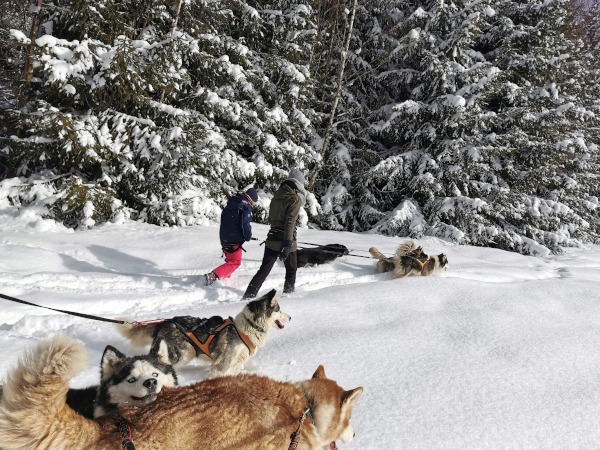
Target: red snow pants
{"points": [[233, 260]]}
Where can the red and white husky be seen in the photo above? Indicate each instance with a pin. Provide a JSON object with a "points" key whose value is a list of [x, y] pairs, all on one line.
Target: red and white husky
{"points": [[244, 412]]}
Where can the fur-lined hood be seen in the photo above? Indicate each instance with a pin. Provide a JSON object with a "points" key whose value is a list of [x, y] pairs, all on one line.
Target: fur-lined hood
{"points": [[299, 190]]}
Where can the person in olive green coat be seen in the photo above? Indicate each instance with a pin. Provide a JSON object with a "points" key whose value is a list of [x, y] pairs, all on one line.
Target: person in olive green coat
{"points": [[281, 239]]}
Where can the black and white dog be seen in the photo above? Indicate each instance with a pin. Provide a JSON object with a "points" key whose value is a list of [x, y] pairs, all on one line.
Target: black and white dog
{"points": [[322, 254], [124, 381], [226, 343]]}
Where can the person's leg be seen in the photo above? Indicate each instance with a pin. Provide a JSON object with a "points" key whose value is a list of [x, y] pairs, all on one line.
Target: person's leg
{"points": [[291, 266], [267, 264], [233, 260]]}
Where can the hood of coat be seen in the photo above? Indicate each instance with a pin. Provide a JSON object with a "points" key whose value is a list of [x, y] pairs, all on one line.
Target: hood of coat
{"points": [[299, 188]]}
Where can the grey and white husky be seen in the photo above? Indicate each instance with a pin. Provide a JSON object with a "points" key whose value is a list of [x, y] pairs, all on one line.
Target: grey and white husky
{"points": [[409, 260], [124, 381], [226, 343]]}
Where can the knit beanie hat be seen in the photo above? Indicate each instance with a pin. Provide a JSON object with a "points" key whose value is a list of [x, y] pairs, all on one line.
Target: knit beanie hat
{"points": [[296, 174], [251, 196]]}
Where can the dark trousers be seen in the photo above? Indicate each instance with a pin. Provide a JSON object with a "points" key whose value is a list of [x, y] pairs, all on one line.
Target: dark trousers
{"points": [[291, 265]]}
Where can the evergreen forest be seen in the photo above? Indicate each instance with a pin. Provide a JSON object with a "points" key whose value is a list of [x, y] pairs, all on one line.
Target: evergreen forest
{"points": [[476, 122]]}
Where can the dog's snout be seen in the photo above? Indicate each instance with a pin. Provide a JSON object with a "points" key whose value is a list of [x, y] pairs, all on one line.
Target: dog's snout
{"points": [[150, 383]]}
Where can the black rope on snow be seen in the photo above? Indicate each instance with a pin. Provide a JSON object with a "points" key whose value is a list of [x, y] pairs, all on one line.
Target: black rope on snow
{"points": [[71, 313], [323, 250]]}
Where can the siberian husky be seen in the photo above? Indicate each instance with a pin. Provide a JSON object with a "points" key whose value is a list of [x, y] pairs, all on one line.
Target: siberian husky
{"points": [[124, 381], [409, 259], [227, 344], [243, 412]]}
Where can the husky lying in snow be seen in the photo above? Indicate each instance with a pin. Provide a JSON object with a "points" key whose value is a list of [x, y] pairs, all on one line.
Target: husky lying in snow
{"points": [[409, 259], [124, 381], [322, 254], [232, 342], [245, 412]]}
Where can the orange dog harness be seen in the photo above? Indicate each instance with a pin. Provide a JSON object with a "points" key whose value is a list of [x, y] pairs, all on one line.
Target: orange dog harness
{"points": [[204, 347]]}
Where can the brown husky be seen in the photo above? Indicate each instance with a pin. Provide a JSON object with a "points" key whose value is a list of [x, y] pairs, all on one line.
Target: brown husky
{"points": [[244, 412]]}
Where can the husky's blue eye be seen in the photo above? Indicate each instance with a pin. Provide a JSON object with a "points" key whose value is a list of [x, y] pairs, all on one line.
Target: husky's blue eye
{"points": [[154, 375], [131, 380]]}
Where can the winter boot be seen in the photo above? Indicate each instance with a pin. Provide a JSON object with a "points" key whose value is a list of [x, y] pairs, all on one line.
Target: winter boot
{"points": [[210, 278], [288, 288]]}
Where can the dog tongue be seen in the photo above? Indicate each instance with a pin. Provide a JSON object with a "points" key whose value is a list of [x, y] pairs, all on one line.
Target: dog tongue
{"points": [[333, 446], [279, 324]]}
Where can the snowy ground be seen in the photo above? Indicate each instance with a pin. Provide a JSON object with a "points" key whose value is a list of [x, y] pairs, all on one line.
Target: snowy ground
{"points": [[500, 351]]}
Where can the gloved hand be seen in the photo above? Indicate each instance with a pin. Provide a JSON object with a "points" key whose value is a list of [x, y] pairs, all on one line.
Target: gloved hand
{"points": [[285, 250]]}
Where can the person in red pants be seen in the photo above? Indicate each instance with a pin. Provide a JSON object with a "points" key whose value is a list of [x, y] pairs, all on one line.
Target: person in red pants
{"points": [[236, 228]]}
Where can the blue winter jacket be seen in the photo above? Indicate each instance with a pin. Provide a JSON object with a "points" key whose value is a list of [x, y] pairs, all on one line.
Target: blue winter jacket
{"points": [[235, 221]]}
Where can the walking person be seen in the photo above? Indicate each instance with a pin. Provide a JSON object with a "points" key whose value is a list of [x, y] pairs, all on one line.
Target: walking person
{"points": [[281, 238], [235, 229]]}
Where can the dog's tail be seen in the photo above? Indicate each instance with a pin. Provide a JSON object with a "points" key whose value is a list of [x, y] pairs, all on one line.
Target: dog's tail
{"points": [[376, 253], [406, 248], [139, 336], [33, 409]]}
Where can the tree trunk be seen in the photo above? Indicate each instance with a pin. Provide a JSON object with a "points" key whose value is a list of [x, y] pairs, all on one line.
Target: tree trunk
{"points": [[176, 16], [173, 30], [28, 67], [336, 99]]}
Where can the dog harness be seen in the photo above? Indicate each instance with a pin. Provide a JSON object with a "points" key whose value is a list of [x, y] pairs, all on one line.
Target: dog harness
{"points": [[202, 334], [421, 263]]}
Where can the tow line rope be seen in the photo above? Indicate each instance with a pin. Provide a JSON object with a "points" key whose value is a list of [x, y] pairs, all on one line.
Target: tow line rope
{"points": [[72, 313], [323, 250]]}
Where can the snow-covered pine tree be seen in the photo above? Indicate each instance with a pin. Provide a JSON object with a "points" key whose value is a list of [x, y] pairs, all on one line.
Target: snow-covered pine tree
{"points": [[586, 27], [11, 58], [163, 107], [12, 16], [470, 147], [429, 124], [336, 62], [544, 152]]}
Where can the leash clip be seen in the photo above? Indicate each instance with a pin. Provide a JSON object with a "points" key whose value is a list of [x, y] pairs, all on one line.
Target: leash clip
{"points": [[145, 322]]}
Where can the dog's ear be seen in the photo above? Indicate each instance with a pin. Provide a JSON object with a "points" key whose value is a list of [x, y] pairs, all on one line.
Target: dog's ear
{"points": [[349, 397], [111, 362], [160, 351], [320, 372], [271, 296]]}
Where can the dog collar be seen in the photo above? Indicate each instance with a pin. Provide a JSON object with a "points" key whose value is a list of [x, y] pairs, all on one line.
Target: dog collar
{"points": [[295, 436], [125, 432]]}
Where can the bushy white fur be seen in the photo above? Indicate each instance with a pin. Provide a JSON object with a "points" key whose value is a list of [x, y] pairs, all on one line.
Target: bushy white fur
{"points": [[38, 383]]}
